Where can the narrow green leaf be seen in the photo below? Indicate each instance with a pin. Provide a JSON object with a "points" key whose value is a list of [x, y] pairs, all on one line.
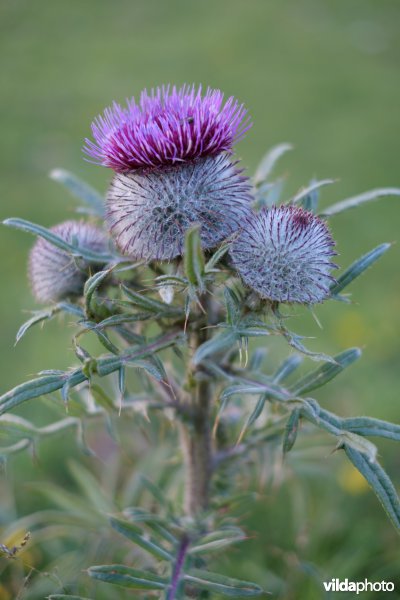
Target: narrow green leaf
{"points": [[368, 426], [221, 342], [152, 368], [80, 190], [217, 540], [288, 366], [259, 407], [91, 286], [357, 268], [355, 201], [38, 316], [379, 481], [135, 534], [294, 340], [127, 577], [268, 194], [273, 390], [302, 196], [150, 304], [256, 359], [291, 430], [89, 255], [216, 257], [194, 258], [221, 584], [38, 387], [268, 162], [104, 366], [65, 597], [326, 372], [232, 305]]}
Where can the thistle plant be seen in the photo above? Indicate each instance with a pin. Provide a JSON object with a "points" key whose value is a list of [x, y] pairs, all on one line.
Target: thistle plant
{"points": [[198, 260]]}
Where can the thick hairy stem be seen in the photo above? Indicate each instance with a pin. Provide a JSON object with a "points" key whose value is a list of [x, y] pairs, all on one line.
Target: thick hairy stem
{"points": [[196, 432], [196, 440]]}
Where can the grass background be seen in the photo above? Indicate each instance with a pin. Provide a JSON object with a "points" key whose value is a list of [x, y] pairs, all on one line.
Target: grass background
{"points": [[322, 75]]}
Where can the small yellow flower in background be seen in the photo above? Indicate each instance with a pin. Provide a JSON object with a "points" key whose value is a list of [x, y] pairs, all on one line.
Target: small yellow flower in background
{"points": [[351, 329], [351, 480]]}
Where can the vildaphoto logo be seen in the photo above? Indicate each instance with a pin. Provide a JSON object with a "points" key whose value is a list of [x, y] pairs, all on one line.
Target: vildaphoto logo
{"points": [[337, 585]]}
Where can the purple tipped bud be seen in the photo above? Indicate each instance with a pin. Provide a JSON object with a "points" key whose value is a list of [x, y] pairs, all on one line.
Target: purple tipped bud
{"points": [[148, 212], [54, 274], [284, 254], [166, 127]]}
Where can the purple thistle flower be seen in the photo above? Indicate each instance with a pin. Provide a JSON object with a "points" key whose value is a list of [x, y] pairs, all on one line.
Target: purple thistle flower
{"points": [[284, 253], [148, 212], [54, 274], [166, 127]]}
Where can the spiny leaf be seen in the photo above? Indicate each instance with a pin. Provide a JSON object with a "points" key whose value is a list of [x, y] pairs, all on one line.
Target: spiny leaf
{"points": [[104, 366], [221, 584], [355, 201], [357, 268], [80, 190], [219, 343], [379, 481], [91, 286], [38, 316], [268, 162], [194, 258], [127, 577], [326, 372], [294, 340], [38, 387], [89, 255]]}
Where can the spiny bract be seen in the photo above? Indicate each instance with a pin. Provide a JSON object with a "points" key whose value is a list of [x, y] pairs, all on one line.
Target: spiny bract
{"points": [[284, 253], [148, 212], [54, 274]]}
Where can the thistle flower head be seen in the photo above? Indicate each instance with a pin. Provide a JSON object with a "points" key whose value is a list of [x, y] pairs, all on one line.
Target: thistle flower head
{"points": [[54, 274], [166, 127], [148, 212], [284, 254]]}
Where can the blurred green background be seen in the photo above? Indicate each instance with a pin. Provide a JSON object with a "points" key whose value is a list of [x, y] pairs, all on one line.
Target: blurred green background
{"points": [[322, 75]]}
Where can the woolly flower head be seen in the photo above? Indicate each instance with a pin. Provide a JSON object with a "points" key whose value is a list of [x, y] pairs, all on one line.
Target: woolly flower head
{"points": [[148, 212], [54, 274], [167, 126], [284, 254]]}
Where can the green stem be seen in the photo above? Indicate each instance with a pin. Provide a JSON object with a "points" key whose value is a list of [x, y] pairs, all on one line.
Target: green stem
{"points": [[195, 432]]}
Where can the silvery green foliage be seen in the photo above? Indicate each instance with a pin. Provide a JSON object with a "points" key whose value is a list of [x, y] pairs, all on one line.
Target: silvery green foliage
{"points": [[54, 274], [196, 310], [149, 211]]}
